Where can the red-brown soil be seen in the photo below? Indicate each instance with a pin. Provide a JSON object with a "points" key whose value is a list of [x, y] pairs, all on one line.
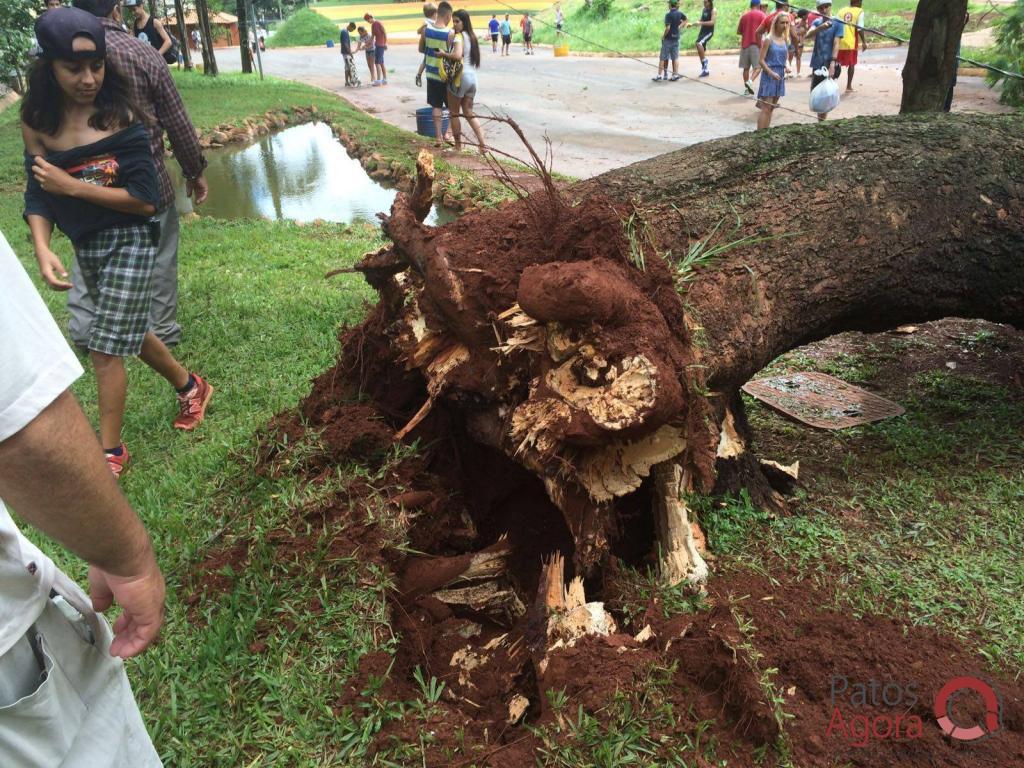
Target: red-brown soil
{"points": [[457, 497]]}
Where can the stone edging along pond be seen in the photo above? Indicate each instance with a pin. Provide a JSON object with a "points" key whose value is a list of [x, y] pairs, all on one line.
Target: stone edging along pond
{"points": [[379, 167]]}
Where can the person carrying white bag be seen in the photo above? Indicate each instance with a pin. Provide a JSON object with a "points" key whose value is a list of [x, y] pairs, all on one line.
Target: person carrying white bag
{"points": [[825, 95], [827, 32]]}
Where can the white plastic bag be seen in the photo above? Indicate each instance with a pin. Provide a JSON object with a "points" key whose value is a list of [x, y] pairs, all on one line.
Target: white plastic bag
{"points": [[825, 95]]}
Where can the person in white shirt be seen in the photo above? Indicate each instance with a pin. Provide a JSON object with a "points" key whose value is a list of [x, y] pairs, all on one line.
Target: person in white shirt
{"points": [[64, 696]]}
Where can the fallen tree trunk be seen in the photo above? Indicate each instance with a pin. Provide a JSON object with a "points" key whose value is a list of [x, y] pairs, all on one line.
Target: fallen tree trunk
{"points": [[599, 336]]}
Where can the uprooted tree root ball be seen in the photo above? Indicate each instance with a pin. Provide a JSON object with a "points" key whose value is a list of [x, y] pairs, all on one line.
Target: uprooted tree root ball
{"points": [[529, 667], [570, 364]]}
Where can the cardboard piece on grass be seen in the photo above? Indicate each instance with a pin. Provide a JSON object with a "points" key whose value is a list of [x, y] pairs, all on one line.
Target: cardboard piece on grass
{"points": [[821, 400]]}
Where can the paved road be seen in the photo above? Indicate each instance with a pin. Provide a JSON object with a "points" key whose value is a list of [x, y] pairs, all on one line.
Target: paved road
{"points": [[603, 113]]}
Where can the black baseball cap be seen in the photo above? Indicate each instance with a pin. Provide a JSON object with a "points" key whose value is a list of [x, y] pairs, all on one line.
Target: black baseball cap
{"points": [[56, 31], [101, 8]]}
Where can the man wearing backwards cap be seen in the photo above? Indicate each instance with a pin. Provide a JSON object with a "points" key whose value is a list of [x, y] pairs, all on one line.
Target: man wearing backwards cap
{"points": [[152, 88], [64, 698]]}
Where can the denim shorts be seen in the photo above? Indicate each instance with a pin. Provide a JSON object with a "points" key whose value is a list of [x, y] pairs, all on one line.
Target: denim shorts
{"points": [[669, 50]]}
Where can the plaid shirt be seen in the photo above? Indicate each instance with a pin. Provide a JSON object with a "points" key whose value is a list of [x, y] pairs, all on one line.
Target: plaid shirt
{"points": [[152, 88]]}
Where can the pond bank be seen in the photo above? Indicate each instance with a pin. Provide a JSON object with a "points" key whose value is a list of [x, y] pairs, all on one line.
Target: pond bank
{"points": [[463, 184]]}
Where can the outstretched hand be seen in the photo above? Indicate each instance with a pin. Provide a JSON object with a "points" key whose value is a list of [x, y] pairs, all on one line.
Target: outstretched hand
{"points": [[52, 270], [141, 598], [197, 189]]}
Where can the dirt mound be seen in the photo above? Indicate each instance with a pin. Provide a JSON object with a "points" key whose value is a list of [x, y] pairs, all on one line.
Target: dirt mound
{"points": [[862, 691], [531, 376], [763, 666]]}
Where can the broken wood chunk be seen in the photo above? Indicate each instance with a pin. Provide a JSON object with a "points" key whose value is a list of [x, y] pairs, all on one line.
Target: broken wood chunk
{"points": [[517, 708], [569, 615], [622, 400], [421, 199], [680, 560], [644, 634]]}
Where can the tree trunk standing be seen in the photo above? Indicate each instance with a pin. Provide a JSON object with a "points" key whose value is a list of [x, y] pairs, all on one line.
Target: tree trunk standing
{"points": [[206, 38], [931, 55], [243, 36], [184, 43], [596, 355]]}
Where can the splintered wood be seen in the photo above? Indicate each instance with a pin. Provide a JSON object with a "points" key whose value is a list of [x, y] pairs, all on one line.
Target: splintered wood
{"points": [[570, 616], [680, 558]]}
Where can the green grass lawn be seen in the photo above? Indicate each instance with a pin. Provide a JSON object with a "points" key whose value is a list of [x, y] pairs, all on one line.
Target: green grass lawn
{"points": [[260, 320], [921, 517], [304, 27]]}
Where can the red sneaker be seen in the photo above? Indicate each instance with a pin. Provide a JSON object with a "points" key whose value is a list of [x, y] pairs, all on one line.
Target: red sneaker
{"points": [[192, 405], [118, 464]]}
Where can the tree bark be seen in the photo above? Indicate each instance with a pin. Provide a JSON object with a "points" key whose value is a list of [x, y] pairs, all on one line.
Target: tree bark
{"points": [[595, 351], [243, 36], [931, 56]]}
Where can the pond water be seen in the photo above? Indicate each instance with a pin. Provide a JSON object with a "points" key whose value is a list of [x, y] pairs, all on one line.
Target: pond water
{"points": [[301, 173]]}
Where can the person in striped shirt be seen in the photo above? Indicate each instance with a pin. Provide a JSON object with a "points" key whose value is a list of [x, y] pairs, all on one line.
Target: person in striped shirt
{"points": [[434, 38]]}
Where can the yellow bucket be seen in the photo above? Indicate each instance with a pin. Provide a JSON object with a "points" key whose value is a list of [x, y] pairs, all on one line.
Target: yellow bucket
{"points": [[562, 49]]}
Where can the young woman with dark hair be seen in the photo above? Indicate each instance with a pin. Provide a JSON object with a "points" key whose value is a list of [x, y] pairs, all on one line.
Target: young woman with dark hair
{"points": [[461, 93], [90, 171]]}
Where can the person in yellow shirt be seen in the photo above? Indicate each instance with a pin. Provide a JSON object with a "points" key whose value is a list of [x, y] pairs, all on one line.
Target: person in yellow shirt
{"points": [[852, 17]]}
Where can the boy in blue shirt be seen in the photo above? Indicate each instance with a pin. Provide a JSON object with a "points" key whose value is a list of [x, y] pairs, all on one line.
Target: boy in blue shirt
{"points": [[674, 19], [493, 26], [506, 36]]}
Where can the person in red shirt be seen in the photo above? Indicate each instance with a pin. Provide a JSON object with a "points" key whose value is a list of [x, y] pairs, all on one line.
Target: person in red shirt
{"points": [[766, 25], [750, 44], [380, 39]]}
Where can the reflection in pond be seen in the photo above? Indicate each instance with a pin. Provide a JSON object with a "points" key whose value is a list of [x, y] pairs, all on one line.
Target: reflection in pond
{"points": [[302, 173]]}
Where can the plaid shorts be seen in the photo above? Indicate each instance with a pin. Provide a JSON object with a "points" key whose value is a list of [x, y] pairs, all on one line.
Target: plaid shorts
{"points": [[117, 268]]}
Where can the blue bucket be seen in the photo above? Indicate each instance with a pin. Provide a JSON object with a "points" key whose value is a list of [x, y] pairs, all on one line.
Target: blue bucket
{"points": [[330, 43], [425, 121]]}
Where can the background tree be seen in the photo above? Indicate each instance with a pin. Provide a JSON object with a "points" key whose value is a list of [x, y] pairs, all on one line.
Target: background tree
{"points": [[243, 36], [206, 38], [1010, 48], [931, 55], [16, 20], [185, 43]]}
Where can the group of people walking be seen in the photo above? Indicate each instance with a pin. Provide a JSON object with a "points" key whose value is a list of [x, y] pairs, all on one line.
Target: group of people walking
{"points": [[675, 20], [451, 56], [503, 29], [772, 43]]}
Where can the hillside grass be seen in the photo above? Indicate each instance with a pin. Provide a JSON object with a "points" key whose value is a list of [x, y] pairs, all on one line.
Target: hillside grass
{"points": [[304, 27]]}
